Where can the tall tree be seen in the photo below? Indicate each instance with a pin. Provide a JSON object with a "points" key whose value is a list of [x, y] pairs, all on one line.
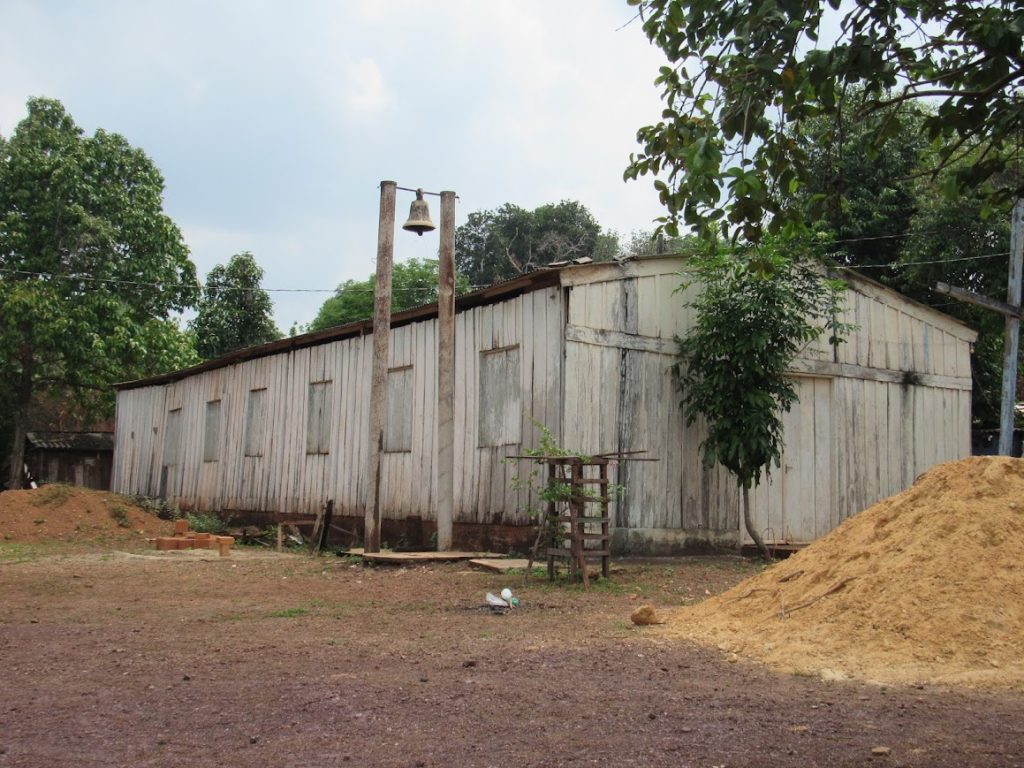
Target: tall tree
{"points": [[863, 195], [413, 283], [887, 215], [509, 241], [743, 77], [233, 311], [90, 266], [955, 242]]}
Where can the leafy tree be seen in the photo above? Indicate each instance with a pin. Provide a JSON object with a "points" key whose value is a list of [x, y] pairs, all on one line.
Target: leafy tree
{"points": [[233, 311], [743, 78], [863, 196], [887, 215], [90, 266], [951, 241], [644, 242], [501, 244], [754, 314], [413, 284]]}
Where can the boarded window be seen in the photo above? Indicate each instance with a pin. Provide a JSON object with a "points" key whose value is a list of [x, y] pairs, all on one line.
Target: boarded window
{"points": [[255, 422], [318, 418], [211, 432], [398, 429], [501, 397], [172, 438]]}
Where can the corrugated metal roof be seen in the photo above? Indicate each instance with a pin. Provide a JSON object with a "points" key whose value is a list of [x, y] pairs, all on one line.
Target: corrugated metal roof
{"points": [[72, 441]]}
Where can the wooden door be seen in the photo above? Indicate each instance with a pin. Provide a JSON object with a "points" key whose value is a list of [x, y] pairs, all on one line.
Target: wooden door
{"points": [[794, 504]]}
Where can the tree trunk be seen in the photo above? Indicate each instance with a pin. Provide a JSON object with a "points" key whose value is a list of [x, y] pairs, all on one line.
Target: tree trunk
{"points": [[23, 399], [748, 521]]}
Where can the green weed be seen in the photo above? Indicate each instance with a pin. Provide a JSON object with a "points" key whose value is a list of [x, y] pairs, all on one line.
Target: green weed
{"points": [[120, 513], [289, 613], [202, 522]]}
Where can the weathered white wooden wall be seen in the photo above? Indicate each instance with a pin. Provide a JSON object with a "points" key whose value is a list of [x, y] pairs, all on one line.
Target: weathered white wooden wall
{"points": [[291, 474], [863, 428]]}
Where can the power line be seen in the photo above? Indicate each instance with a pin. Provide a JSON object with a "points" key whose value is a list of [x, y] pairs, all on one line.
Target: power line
{"points": [[898, 264], [169, 286], [423, 286]]}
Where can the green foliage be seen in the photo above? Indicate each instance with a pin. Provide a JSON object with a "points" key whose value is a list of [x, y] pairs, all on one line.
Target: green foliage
{"points": [[954, 241], [156, 507], [90, 266], [756, 310], [885, 213], [413, 284], [863, 195], [743, 79], [233, 311], [509, 241], [202, 522], [650, 243]]}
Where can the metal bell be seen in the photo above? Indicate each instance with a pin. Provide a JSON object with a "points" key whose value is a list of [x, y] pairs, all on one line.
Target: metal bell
{"points": [[419, 216]]}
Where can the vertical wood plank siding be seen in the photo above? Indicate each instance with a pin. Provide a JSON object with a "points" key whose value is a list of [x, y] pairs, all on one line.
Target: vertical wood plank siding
{"points": [[860, 432], [592, 363], [303, 462]]}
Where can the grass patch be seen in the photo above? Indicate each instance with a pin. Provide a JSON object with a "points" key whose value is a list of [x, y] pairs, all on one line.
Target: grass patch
{"points": [[52, 494], [21, 553], [289, 613]]}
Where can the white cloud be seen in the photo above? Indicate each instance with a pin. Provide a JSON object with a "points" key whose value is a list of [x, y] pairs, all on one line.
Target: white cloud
{"points": [[365, 93]]}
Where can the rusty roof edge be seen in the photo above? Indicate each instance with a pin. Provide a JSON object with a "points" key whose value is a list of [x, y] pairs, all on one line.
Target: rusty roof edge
{"points": [[536, 280]]}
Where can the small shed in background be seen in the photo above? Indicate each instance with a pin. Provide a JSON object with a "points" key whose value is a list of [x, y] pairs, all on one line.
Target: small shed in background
{"points": [[78, 458]]}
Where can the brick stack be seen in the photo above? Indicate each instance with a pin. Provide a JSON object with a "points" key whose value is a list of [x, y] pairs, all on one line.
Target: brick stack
{"points": [[183, 538]]}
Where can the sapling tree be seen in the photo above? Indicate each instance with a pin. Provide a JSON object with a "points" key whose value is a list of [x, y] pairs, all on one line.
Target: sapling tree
{"points": [[756, 310]]}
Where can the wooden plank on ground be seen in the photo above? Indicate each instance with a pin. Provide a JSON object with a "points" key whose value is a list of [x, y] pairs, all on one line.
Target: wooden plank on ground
{"points": [[401, 558], [501, 565]]}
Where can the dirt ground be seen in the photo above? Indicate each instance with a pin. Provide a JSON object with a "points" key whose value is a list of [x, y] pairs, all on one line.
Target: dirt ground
{"points": [[115, 658]]}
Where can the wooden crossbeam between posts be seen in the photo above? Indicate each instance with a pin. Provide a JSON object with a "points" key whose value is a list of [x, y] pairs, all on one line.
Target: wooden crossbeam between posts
{"points": [[978, 300]]}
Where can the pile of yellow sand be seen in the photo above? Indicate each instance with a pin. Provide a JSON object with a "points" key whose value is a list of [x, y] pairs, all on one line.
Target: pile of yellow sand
{"points": [[925, 586]]}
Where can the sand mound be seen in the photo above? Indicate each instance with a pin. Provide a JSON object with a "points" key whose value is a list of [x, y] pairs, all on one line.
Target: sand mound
{"points": [[69, 514], [925, 586]]}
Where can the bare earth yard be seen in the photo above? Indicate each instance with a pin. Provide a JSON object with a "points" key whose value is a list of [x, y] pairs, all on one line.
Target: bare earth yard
{"points": [[111, 658]]}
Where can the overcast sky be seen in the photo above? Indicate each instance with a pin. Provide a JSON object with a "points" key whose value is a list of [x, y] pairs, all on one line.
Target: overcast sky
{"points": [[274, 122]]}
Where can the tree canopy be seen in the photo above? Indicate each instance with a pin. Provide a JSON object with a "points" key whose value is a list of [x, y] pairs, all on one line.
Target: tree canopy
{"points": [[413, 284], [233, 310], [91, 268], [745, 80], [509, 241]]}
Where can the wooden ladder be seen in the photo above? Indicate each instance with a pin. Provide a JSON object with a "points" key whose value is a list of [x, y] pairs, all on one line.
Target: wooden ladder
{"points": [[585, 519]]}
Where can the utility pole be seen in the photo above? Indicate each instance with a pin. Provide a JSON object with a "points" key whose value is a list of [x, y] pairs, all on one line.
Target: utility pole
{"points": [[379, 382], [446, 375], [1011, 340]]}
